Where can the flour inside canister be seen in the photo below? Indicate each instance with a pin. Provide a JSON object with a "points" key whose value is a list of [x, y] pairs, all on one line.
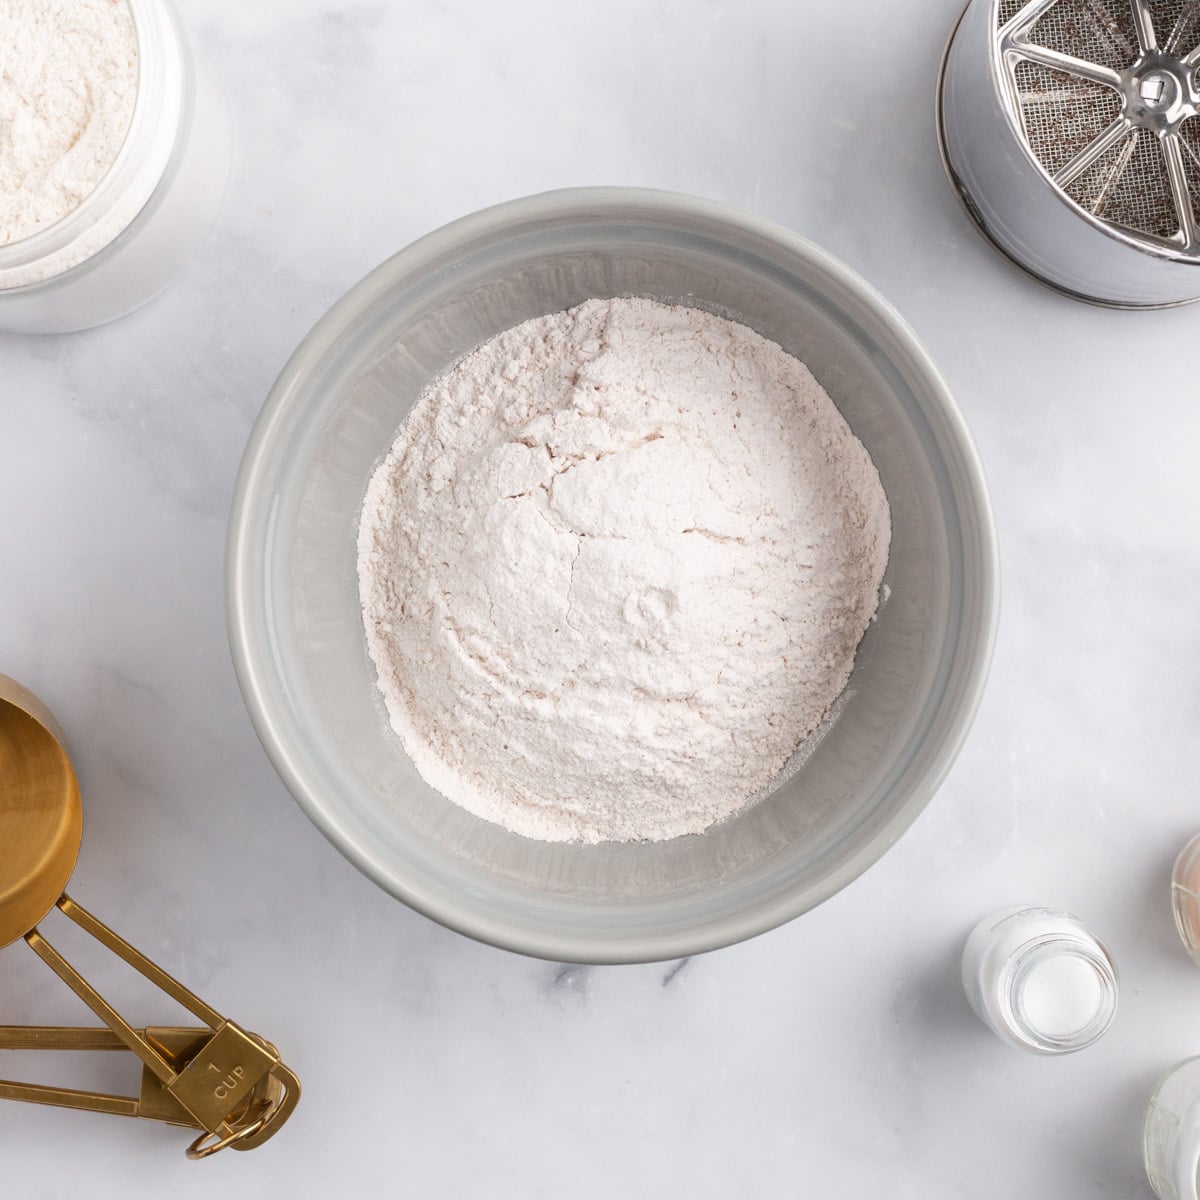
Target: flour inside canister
{"points": [[68, 85], [615, 569]]}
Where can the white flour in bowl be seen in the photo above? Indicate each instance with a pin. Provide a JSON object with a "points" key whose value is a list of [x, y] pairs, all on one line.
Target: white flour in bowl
{"points": [[615, 569], [68, 84]]}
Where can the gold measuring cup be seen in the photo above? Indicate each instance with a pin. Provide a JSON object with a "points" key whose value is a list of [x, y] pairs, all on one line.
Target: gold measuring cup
{"points": [[221, 1080]]}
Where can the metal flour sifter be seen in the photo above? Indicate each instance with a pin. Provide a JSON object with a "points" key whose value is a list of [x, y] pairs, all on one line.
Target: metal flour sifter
{"points": [[219, 1079], [1071, 130]]}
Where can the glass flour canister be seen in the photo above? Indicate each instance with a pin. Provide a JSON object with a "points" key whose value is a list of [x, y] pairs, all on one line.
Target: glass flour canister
{"points": [[149, 213]]}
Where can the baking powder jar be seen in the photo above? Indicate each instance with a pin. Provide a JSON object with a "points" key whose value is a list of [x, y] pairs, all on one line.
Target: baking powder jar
{"points": [[1040, 980]]}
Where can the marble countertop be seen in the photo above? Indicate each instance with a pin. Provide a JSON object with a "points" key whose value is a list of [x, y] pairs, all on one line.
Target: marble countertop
{"points": [[835, 1057]]}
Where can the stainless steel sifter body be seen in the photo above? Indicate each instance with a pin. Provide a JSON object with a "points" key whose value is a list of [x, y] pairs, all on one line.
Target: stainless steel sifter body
{"points": [[1071, 130]]}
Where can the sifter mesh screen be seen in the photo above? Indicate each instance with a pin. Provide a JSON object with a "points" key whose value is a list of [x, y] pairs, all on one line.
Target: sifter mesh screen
{"points": [[1008, 9], [1190, 135], [1091, 189], [1089, 29], [1063, 113], [1140, 197], [1176, 24]]}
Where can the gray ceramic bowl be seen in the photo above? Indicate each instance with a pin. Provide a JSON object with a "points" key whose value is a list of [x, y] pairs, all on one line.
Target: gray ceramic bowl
{"points": [[298, 643]]}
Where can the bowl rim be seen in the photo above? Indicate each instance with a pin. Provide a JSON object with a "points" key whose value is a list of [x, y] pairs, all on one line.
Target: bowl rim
{"points": [[251, 660]]}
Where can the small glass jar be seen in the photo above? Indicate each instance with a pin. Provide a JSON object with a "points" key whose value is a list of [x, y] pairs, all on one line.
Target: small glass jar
{"points": [[1039, 980], [151, 211], [1171, 1134], [1185, 897]]}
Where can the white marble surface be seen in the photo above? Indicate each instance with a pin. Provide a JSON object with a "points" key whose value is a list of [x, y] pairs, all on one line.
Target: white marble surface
{"points": [[833, 1058]]}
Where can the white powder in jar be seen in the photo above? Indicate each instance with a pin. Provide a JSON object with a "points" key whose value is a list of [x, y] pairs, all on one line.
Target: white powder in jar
{"points": [[615, 569], [68, 85], [1062, 995]]}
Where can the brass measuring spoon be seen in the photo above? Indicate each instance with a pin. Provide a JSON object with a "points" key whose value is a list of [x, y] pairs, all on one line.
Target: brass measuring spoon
{"points": [[226, 1082]]}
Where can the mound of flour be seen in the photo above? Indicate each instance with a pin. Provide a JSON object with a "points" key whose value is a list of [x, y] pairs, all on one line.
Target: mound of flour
{"points": [[615, 569], [68, 84]]}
